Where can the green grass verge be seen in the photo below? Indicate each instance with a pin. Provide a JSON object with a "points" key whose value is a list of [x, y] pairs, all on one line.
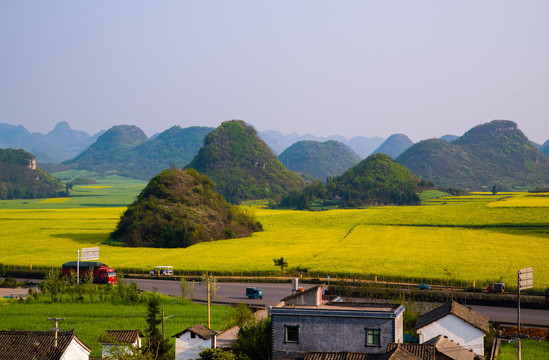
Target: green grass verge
{"points": [[89, 320], [530, 350]]}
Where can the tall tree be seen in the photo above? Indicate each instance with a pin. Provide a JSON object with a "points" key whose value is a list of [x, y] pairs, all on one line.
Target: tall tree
{"points": [[157, 346]]}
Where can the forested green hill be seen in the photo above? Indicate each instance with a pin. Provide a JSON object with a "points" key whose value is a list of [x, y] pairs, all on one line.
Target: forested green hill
{"points": [[242, 166], [179, 208], [319, 160], [21, 179], [377, 180], [127, 151], [493, 153]]}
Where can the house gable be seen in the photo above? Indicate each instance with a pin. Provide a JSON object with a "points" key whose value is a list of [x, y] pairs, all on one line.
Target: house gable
{"points": [[17, 344], [455, 329], [193, 340]]}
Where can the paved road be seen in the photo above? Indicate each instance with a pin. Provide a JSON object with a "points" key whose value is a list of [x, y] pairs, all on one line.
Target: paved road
{"points": [[227, 292], [272, 293]]}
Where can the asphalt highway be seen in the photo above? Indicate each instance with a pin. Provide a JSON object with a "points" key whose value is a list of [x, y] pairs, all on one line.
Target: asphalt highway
{"points": [[273, 293]]}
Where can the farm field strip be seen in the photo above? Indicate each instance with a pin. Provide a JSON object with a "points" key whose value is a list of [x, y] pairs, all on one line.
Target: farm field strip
{"points": [[89, 320], [458, 238]]}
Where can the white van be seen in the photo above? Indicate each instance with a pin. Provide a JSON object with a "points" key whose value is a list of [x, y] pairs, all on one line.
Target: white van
{"points": [[162, 270]]}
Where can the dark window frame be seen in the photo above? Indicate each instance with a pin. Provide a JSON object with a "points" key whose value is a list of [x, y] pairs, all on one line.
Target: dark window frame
{"points": [[375, 333], [293, 328]]}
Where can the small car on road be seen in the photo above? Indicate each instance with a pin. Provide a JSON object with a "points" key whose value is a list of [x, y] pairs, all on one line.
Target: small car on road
{"points": [[424, 286]]}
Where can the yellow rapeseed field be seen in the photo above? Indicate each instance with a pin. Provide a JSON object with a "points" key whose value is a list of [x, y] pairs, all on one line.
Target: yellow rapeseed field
{"points": [[480, 238]]}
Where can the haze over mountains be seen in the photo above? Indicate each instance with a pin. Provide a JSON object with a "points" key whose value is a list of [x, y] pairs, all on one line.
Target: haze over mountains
{"points": [[492, 153], [62, 143]]}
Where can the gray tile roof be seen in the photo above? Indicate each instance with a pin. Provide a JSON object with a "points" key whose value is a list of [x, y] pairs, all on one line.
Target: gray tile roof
{"points": [[422, 351], [37, 345], [344, 355], [451, 349], [124, 336], [398, 353], [472, 317], [201, 330]]}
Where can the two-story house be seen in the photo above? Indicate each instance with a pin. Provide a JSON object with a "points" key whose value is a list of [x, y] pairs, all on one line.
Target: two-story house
{"points": [[303, 322]]}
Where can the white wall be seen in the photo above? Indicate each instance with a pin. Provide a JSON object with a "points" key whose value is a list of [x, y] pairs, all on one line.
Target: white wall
{"points": [[457, 330], [187, 348], [75, 352]]}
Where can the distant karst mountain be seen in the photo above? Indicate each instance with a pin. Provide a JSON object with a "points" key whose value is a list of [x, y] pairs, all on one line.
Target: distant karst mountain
{"points": [[242, 166], [127, 151], [449, 138], [493, 153], [179, 208], [377, 180], [395, 145], [20, 178], [361, 145], [319, 160], [62, 143], [545, 148]]}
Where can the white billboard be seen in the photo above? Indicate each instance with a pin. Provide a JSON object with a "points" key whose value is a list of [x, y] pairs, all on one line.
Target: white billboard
{"points": [[90, 254]]}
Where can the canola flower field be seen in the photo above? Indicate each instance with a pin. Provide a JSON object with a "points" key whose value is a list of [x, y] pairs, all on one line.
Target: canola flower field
{"points": [[468, 241]]}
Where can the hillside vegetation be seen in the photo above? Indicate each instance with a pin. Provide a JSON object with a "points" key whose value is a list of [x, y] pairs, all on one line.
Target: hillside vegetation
{"points": [[179, 208], [377, 180], [242, 166], [319, 160], [21, 179], [493, 153], [126, 151]]}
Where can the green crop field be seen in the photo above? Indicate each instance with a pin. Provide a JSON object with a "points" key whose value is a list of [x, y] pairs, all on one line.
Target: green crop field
{"points": [[479, 238], [89, 320]]}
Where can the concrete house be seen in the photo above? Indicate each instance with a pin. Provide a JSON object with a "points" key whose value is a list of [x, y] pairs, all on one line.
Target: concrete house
{"points": [[193, 340], [42, 345], [457, 323], [117, 338], [303, 323]]}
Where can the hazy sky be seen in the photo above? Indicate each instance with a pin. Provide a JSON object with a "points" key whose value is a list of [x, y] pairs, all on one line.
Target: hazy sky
{"points": [[368, 68]]}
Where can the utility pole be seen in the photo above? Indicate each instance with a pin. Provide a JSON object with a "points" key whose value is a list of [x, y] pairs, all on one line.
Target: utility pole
{"points": [[525, 280], [164, 317], [56, 329], [208, 304], [211, 286]]}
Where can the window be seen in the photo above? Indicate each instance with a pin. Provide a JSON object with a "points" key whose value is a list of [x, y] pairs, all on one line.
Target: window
{"points": [[291, 334], [373, 337]]}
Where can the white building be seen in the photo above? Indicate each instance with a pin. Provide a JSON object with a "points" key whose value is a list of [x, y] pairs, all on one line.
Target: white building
{"points": [[456, 322], [22, 345], [192, 341]]}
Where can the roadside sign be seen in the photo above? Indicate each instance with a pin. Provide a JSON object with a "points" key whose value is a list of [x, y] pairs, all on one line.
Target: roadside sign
{"points": [[525, 278], [90, 254]]}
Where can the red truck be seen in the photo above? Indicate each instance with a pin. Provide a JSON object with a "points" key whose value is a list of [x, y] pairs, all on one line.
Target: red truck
{"points": [[102, 274], [496, 288]]}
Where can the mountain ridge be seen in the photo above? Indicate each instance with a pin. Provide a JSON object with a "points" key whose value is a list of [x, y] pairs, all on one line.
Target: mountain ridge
{"points": [[496, 152]]}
